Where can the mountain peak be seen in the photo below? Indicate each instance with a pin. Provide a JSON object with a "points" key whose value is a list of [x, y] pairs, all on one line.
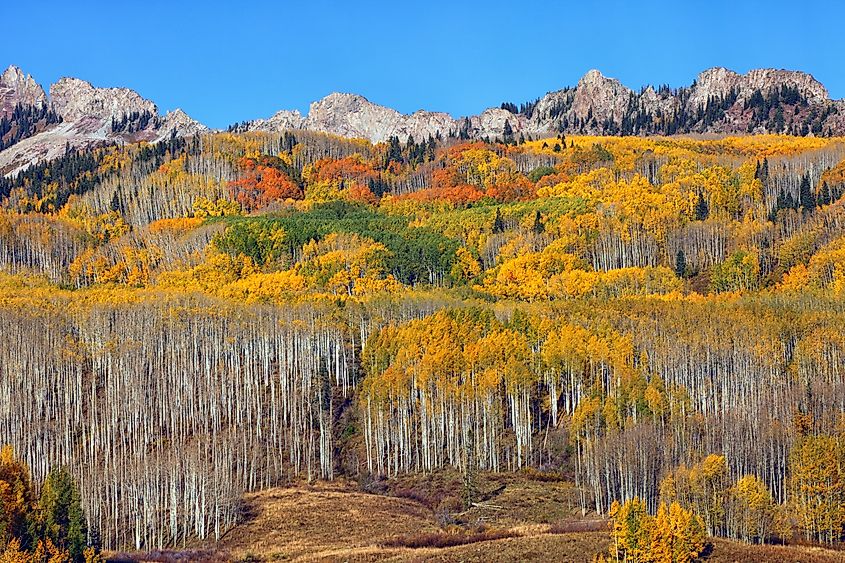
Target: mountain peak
{"points": [[597, 105], [12, 73], [88, 115], [345, 97], [716, 73], [19, 88], [183, 124], [592, 76], [600, 98]]}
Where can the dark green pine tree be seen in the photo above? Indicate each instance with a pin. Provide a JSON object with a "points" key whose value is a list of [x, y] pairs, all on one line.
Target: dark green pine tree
{"points": [[498, 223], [394, 150], [806, 198], [779, 204], [288, 141], [507, 133], [702, 210], [115, 200], [465, 130], [789, 201], [778, 122], [61, 518], [430, 148], [762, 172], [680, 264], [823, 197], [538, 227], [411, 150]]}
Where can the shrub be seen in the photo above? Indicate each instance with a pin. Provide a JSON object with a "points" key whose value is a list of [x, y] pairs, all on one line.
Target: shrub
{"points": [[448, 539]]}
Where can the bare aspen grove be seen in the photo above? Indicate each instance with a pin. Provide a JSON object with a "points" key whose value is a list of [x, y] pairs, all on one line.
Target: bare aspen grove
{"points": [[658, 320]]}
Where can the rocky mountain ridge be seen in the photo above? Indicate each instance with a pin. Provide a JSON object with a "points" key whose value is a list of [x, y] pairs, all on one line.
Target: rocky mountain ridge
{"points": [[86, 116], [719, 101]]}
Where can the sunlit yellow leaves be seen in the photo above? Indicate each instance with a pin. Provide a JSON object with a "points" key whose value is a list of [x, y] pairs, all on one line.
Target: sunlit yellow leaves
{"points": [[466, 266], [340, 262], [176, 226], [818, 484], [739, 272], [204, 207], [459, 353], [216, 271], [101, 227], [273, 287], [114, 161], [673, 535], [825, 270]]}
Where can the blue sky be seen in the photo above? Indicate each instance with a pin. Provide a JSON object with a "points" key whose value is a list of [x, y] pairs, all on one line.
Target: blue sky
{"points": [[223, 62]]}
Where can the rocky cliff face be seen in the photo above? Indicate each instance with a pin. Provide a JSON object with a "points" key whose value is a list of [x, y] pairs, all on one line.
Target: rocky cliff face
{"points": [[599, 97], [351, 115], [89, 115], [280, 121], [19, 88], [75, 99], [719, 82]]}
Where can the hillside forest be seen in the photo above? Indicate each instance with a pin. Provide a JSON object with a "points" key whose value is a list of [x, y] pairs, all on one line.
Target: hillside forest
{"points": [[657, 319]]}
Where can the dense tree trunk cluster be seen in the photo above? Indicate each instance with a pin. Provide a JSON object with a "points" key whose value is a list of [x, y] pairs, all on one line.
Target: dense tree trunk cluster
{"points": [[167, 414], [38, 243]]}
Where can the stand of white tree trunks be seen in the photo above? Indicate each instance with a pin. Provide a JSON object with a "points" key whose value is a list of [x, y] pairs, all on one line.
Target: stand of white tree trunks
{"points": [[166, 415], [167, 411]]}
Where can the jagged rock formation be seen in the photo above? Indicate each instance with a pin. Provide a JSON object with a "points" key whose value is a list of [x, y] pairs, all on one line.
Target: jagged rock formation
{"points": [[181, 124], [86, 116], [350, 115], [19, 88], [599, 97], [720, 101], [280, 121], [75, 99]]}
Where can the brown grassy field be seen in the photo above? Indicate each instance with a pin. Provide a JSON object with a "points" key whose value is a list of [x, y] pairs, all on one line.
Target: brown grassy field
{"points": [[336, 522], [518, 517]]}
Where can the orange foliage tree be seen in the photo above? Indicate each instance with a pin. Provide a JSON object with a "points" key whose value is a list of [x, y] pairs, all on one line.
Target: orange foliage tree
{"points": [[264, 183]]}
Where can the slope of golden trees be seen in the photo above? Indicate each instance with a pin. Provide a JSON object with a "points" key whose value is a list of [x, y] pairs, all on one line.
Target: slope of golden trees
{"points": [[660, 318]]}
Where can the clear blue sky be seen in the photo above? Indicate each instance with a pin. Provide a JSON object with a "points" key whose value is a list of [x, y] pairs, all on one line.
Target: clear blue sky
{"points": [[223, 62]]}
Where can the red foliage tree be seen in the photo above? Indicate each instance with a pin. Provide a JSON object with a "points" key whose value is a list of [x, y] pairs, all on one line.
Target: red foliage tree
{"points": [[263, 184], [519, 189]]}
